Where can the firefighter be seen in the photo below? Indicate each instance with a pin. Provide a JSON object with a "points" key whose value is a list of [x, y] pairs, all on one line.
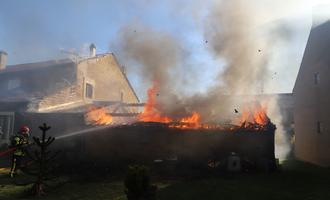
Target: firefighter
{"points": [[20, 141]]}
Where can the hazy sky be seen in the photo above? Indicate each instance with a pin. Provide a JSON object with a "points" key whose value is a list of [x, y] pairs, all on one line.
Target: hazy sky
{"points": [[37, 30]]}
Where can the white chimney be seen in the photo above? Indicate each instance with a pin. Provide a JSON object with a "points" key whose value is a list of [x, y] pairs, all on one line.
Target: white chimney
{"points": [[3, 60], [92, 50]]}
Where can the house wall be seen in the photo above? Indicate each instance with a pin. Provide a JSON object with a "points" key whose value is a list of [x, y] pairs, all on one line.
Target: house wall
{"points": [[55, 86], [68, 89], [312, 99], [47, 86], [107, 78]]}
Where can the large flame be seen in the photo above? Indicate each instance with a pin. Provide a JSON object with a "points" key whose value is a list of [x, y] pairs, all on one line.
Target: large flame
{"points": [[98, 116], [194, 121], [254, 113], [150, 112]]}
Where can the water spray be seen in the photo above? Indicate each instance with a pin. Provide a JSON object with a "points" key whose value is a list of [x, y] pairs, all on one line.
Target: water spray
{"points": [[83, 131]]}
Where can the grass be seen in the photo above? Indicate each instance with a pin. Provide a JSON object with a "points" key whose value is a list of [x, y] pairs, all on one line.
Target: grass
{"points": [[296, 180]]}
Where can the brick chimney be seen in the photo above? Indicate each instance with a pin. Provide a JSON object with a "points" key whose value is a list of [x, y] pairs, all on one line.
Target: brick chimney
{"points": [[3, 60], [92, 50]]}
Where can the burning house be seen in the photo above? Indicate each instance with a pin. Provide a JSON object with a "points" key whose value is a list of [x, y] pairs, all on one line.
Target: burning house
{"points": [[187, 141], [93, 95], [311, 98], [174, 144], [60, 91]]}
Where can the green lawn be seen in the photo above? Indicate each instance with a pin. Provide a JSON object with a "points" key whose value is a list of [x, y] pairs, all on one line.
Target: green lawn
{"points": [[295, 181]]}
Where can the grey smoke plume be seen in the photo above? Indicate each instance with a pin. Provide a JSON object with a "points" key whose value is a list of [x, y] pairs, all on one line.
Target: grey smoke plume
{"points": [[232, 34], [156, 56], [156, 53], [231, 31]]}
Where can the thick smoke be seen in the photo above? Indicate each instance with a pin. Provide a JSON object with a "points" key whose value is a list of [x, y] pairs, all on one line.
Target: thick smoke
{"points": [[283, 132], [156, 56], [160, 58], [234, 35], [156, 53], [231, 33]]}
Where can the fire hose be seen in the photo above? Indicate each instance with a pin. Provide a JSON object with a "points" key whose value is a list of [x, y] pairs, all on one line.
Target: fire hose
{"points": [[3, 153], [9, 150]]}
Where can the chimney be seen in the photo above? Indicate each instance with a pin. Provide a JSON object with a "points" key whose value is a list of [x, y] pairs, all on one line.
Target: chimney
{"points": [[92, 50], [3, 60]]}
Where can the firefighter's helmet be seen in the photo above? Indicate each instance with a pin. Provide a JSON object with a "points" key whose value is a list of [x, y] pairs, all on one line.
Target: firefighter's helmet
{"points": [[25, 130]]}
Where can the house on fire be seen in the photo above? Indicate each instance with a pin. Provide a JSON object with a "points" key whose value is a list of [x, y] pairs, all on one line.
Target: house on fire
{"points": [[312, 99], [48, 89]]}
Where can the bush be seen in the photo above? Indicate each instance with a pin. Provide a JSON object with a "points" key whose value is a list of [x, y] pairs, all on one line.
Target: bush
{"points": [[137, 183]]}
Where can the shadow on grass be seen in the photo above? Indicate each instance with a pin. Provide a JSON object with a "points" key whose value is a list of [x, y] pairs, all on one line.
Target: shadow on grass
{"points": [[295, 180]]}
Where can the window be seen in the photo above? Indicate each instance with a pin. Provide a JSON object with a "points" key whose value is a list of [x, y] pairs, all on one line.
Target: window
{"points": [[89, 90], [319, 127], [121, 96], [316, 78], [13, 84]]}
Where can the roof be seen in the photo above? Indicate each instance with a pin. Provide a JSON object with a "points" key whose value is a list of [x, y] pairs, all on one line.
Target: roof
{"points": [[36, 65], [124, 75], [316, 50], [122, 72], [56, 63]]}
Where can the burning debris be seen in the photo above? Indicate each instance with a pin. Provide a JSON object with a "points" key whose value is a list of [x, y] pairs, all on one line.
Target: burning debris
{"points": [[252, 117], [150, 112], [98, 116], [254, 113]]}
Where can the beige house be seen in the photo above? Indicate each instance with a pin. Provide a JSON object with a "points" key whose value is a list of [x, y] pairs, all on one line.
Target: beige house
{"points": [[312, 99], [63, 86]]}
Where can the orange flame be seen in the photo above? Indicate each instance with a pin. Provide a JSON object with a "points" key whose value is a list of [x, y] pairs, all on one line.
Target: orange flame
{"points": [[254, 113], [192, 122], [150, 112], [98, 116]]}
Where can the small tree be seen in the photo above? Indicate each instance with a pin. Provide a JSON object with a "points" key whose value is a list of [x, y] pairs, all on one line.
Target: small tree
{"points": [[137, 183], [42, 158]]}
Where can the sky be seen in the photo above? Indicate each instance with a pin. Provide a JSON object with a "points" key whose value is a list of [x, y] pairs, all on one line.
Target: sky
{"points": [[37, 30]]}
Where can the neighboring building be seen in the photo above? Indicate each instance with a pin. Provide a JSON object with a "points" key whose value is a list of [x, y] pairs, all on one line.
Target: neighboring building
{"points": [[66, 85], [312, 99]]}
